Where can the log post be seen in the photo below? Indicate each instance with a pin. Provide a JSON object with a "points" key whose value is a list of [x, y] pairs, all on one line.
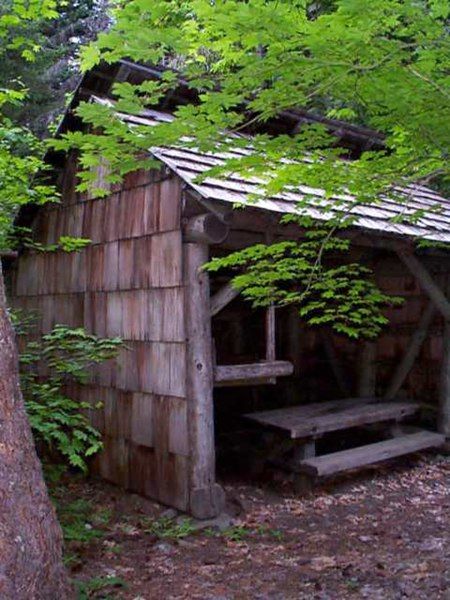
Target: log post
{"points": [[303, 483], [307, 449], [443, 421], [367, 374], [444, 404], [206, 497], [293, 323], [269, 323], [270, 333]]}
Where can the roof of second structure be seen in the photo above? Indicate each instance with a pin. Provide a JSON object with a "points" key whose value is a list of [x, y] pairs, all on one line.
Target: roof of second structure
{"points": [[388, 215]]}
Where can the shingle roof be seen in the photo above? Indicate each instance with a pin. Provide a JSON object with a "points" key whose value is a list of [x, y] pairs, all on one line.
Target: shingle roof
{"points": [[385, 216]]}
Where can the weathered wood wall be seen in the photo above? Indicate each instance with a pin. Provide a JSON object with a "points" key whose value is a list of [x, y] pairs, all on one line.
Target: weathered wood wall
{"points": [[128, 282], [423, 380]]}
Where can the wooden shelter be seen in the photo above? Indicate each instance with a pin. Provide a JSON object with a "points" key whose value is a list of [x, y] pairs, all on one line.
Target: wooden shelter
{"points": [[192, 344]]}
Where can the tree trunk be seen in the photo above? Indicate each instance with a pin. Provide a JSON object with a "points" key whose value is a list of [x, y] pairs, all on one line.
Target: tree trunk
{"points": [[30, 537]]}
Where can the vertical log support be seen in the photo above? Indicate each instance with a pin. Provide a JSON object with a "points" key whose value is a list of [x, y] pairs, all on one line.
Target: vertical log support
{"points": [[444, 400], [206, 497], [294, 338], [270, 334], [442, 304], [443, 420], [270, 314], [270, 339], [367, 374], [303, 483]]}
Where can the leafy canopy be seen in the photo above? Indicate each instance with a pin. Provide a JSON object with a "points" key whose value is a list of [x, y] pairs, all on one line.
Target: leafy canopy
{"points": [[17, 17], [382, 63], [23, 172], [20, 151], [337, 294], [39, 54]]}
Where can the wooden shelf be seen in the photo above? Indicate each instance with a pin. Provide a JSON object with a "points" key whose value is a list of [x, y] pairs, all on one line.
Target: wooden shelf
{"points": [[252, 373]]}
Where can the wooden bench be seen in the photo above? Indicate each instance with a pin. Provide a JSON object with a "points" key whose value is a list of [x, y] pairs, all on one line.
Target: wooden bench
{"points": [[308, 422]]}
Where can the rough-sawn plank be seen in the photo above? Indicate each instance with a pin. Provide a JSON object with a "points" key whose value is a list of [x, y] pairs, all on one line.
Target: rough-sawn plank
{"points": [[318, 418], [253, 371], [346, 460]]}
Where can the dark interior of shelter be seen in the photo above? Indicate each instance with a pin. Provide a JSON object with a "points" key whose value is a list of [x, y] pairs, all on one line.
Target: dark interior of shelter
{"points": [[326, 367]]}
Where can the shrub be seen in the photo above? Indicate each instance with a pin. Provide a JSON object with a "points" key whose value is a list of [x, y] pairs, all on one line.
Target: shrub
{"points": [[64, 355]]}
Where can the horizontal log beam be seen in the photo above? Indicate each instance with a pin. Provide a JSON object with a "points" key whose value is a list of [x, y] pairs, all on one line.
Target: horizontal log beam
{"points": [[426, 282], [220, 299], [253, 371], [205, 229], [246, 382]]}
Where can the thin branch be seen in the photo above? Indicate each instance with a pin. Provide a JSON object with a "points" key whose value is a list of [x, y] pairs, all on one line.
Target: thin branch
{"points": [[433, 84]]}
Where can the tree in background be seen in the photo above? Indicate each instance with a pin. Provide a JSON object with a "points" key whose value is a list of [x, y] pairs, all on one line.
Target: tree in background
{"points": [[382, 63], [52, 73]]}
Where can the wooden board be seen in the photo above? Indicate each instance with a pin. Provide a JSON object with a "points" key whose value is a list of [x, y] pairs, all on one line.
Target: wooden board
{"points": [[142, 468], [252, 372], [222, 297], [316, 419], [117, 413], [151, 367], [372, 453], [112, 462], [142, 420]]}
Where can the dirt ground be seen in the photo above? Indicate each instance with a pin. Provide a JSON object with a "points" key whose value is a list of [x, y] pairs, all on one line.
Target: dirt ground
{"points": [[380, 534]]}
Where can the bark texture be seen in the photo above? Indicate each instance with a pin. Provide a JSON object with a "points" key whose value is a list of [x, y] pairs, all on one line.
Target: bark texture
{"points": [[31, 565]]}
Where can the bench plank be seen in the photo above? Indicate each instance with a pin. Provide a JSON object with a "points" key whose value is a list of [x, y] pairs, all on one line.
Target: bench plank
{"points": [[346, 460], [318, 418]]}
